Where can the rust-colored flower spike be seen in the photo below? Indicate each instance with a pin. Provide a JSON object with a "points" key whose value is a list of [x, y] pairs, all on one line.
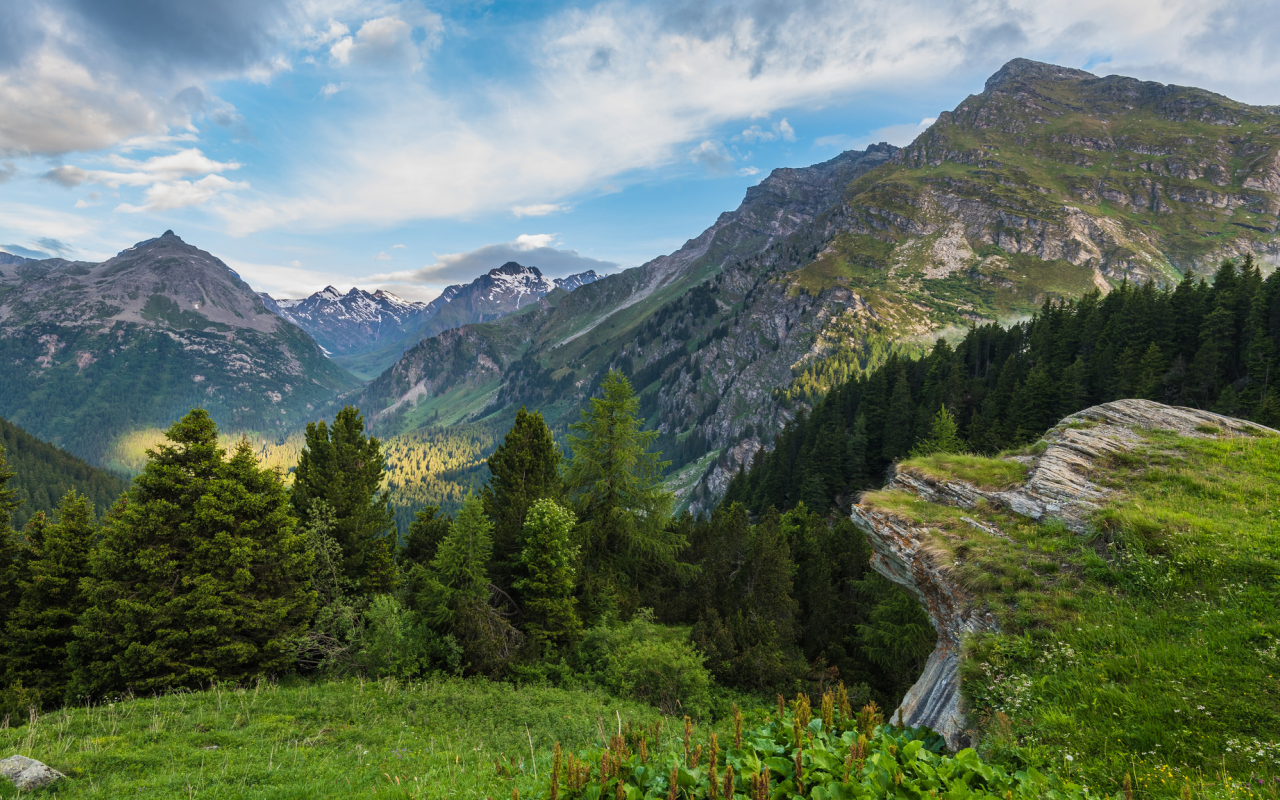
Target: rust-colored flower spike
{"points": [[799, 771], [714, 747], [697, 757], [737, 726], [605, 762], [1128, 787], [796, 741], [848, 763], [621, 793], [688, 734], [644, 749], [556, 757], [515, 793], [828, 711], [675, 783], [728, 783], [782, 707], [804, 709], [842, 700]]}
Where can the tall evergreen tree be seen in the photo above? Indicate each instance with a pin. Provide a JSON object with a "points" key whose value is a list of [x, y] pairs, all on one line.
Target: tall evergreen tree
{"points": [[524, 469], [898, 420], [614, 483], [200, 574], [428, 529], [344, 467], [10, 547], [550, 561], [944, 436], [455, 593], [52, 601]]}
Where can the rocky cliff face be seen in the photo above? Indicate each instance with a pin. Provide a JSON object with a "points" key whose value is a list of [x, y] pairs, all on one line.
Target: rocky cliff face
{"points": [[1060, 483]]}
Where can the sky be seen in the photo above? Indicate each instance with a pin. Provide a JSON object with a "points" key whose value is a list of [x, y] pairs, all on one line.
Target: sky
{"points": [[411, 145]]}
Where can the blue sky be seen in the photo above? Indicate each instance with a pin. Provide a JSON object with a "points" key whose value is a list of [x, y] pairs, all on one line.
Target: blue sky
{"points": [[410, 145]]}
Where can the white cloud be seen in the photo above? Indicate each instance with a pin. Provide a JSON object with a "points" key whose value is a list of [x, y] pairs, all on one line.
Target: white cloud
{"points": [[781, 130], [529, 249], [330, 89], [397, 247], [386, 41], [747, 172], [539, 209], [180, 194], [382, 257], [900, 135], [712, 155]]}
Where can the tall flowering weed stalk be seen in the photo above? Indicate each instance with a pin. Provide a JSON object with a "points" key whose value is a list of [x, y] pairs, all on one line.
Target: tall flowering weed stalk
{"points": [[833, 754]]}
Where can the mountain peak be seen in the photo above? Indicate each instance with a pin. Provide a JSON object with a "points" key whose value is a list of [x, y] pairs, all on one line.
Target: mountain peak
{"points": [[512, 268], [1023, 69]]}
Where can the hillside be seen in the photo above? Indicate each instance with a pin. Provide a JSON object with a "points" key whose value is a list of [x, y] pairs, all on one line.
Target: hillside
{"points": [[1050, 183], [45, 473], [99, 350], [1095, 593]]}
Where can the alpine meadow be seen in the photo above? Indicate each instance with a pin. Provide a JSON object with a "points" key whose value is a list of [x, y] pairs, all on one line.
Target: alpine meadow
{"points": [[941, 466]]}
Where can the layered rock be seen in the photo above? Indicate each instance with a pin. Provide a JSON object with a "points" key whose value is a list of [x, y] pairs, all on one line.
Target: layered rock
{"points": [[1059, 484]]}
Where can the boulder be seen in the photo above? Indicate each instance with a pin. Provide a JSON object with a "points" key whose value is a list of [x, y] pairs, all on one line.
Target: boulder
{"points": [[27, 773]]}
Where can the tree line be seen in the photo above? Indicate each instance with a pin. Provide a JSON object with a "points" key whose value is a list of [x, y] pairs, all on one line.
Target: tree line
{"points": [[1207, 345], [208, 569]]}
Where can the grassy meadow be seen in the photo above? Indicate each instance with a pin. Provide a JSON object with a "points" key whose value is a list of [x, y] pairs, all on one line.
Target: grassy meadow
{"points": [[439, 738], [1147, 648]]}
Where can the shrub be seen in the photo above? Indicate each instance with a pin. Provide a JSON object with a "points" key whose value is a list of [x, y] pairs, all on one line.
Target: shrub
{"points": [[649, 662]]}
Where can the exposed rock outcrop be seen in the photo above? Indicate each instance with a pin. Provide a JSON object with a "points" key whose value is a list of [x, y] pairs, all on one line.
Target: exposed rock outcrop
{"points": [[28, 774], [1058, 485]]}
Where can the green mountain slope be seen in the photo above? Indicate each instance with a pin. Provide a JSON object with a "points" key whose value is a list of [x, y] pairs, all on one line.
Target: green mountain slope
{"points": [[95, 351], [44, 473], [1049, 183]]}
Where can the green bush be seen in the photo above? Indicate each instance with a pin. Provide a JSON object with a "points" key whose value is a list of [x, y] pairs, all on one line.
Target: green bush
{"points": [[650, 662], [16, 703]]}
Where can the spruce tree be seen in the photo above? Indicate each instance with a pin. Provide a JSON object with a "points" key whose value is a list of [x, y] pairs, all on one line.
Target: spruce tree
{"points": [[943, 436], [454, 592], [524, 469], [10, 546], [428, 529], [550, 561], [897, 430], [344, 467], [199, 576], [614, 483], [52, 602]]}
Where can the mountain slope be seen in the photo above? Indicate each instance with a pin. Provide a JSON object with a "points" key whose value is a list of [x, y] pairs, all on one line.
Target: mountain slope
{"points": [[1050, 183], [44, 473], [94, 351], [362, 331]]}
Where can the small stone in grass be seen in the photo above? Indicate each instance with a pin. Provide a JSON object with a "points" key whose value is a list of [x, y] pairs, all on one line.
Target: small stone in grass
{"points": [[27, 773]]}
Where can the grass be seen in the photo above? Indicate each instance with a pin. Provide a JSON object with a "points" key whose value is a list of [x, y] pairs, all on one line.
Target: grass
{"points": [[336, 739], [993, 474], [1148, 647]]}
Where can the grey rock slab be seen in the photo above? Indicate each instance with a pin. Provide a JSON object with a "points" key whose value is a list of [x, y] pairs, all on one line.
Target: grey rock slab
{"points": [[27, 773]]}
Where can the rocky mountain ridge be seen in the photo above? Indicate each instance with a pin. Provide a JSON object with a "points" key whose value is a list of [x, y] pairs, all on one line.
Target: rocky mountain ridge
{"points": [[367, 331]]}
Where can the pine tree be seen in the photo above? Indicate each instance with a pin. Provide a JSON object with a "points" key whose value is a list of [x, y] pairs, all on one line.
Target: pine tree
{"points": [[1151, 371], [428, 529], [897, 431], [200, 574], [856, 472], [10, 547], [455, 592], [550, 563], [523, 469], [52, 602], [614, 483], [345, 468], [944, 436]]}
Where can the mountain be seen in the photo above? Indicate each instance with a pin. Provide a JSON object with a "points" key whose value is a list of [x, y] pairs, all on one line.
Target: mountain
{"points": [[353, 326], [95, 351], [366, 332], [44, 473], [1050, 183]]}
